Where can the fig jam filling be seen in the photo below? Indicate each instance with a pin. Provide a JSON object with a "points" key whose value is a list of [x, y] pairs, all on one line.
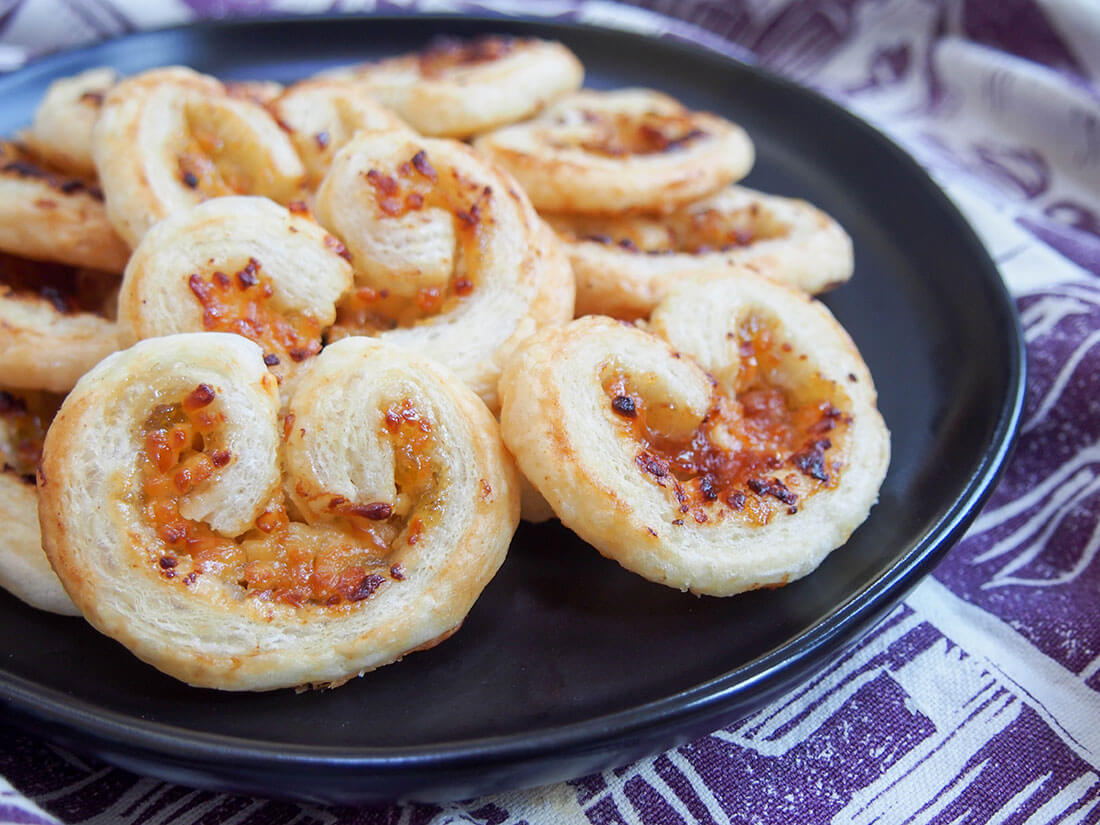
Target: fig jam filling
{"points": [[24, 419], [241, 303], [280, 558], [619, 135], [414, 186], [758, 451], [67, 289]]}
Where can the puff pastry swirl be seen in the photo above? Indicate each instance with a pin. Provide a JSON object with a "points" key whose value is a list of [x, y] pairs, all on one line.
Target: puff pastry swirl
{"points": [[61, 133], [235, 551], [322, 115], [620, 151], [456, 88], [237, 264], [24, 569], [450, 258], [625, 264], [50, 215], [170, 138], [733, 454], [56, 322]]}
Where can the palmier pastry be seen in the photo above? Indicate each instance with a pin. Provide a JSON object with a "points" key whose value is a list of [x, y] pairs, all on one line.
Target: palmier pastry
{"points": [[56, 322], [163, 508], [49, 215], [322, 115], [237, 264], [735, 455], [450, 258], [620, 151], [456, 88], [624, 264], [24, 570], [263, 92], [171, 138], [61, 133]]}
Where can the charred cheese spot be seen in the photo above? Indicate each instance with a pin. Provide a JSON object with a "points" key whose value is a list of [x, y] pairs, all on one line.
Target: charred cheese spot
{"points": [[280, 559], [242, 304], [759, 451]]}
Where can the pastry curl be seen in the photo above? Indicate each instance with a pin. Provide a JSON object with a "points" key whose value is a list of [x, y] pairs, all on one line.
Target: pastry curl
{"points": [[322, 115], [451, 260], [61, 132], [620, 151], [263, 92], [237, 264], [163, 508], [51, 216], [456, 88], [24, 570], [734, 456], [171, 138], [56, 322], [625, 264]]}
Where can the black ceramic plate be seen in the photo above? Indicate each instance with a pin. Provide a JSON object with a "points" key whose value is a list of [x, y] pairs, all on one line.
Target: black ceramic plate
{"points": [[568, 664]]}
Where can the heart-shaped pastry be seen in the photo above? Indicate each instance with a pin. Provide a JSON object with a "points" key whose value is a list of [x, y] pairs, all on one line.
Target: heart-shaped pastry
{"points": [[235, 548]]}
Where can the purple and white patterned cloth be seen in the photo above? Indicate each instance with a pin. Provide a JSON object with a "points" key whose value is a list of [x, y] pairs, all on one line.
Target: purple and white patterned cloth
{"points": [[978, 699]]}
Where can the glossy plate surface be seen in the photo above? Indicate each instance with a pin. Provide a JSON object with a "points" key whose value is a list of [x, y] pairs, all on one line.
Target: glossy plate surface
{"points": [[568, 664]]}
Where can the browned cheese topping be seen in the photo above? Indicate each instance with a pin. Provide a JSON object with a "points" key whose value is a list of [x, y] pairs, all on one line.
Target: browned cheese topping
{"points": [[67, 289], [446, 53], [619, 135], [280, 558], [24, 419], [241, 303], [202, 167], [18, 162], [758, 451], [414, 186], [215, 166], [692, 232]]}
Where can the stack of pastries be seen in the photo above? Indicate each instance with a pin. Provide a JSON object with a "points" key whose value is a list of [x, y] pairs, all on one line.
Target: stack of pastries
{"points": [[279, 365]]}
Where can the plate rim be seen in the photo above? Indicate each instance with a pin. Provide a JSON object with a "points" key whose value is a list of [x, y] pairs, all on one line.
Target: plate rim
{"points": [[77, 721]]}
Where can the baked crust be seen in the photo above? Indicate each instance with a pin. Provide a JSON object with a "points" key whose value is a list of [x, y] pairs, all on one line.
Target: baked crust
{"points": [[237, 264], [170, 138], [451, 260], [620, 151], [24, 570], [230, 619], [61, 132], [322, 115], [49, 215], [625, 264], [458, 88], [600, 415], [56, 322]]}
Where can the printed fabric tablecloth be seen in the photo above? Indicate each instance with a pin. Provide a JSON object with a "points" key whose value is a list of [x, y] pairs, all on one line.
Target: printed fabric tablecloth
{"points": [[978, 699]]}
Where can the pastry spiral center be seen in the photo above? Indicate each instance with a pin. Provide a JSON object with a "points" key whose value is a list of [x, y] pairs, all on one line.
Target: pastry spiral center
{"points": [[651, 133], [241, 303], [761, 449], [212, 161], [416, 186], [280, 558]]}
